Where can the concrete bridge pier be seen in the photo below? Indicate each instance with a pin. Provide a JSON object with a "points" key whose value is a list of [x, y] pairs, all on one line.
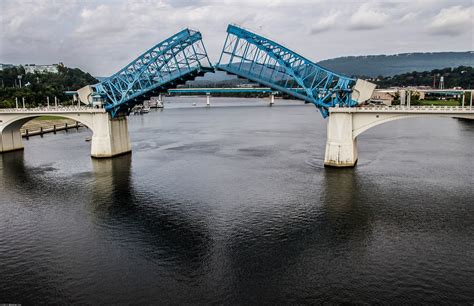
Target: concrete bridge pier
{"points": [[341, 146], [11, 139], [110, 136]]}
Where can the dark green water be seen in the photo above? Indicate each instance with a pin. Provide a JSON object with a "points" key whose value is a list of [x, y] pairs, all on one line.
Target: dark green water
{"points": [[232, 205]]}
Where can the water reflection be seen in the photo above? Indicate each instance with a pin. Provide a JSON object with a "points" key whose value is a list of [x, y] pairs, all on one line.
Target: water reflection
{"points": [[144, 220], [299, 240]]}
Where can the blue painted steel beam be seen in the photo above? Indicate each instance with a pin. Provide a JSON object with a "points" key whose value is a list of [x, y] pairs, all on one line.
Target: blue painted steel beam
{"points": [[264, 61], [174, 61]]}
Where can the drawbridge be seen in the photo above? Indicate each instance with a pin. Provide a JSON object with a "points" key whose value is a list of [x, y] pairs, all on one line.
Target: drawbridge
{"points": [[174, 61], [183, 57], [259, 59]]}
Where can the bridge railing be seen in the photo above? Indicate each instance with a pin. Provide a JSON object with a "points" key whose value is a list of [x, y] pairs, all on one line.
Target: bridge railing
{"points": [[437, 108], [52, 109]]}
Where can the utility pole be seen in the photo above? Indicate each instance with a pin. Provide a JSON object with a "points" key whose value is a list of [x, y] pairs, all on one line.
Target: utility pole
{"points": [[16, 102], [47, 101], [23, 99]]}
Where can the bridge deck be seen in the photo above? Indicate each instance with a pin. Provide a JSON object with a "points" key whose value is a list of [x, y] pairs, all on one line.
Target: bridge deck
{"points": [[52, 110], [222, 90], [404, 109]]}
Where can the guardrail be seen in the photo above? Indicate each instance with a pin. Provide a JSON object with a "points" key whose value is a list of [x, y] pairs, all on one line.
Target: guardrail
{"points": [[53, 109], [447, 109], [425, 107]]}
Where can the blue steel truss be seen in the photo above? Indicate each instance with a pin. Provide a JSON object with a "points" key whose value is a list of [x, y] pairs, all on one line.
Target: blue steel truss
{"points": [[173, 61], [261, 60]]}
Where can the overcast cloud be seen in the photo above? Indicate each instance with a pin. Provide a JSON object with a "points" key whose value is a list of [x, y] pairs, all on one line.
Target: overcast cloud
{"points": [[103, 36]]}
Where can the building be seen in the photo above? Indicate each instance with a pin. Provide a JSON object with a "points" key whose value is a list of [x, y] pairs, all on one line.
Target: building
{"points": [[5, 66], [32, 68], [384, 96]]}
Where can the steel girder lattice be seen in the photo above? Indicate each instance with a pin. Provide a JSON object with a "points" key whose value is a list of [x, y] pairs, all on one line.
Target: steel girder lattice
{"points": [[173, 61], [261, 60]]}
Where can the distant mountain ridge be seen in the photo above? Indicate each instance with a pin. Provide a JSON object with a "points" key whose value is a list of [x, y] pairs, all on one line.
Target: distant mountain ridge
{"points": [[368, 66], [389, 65]]}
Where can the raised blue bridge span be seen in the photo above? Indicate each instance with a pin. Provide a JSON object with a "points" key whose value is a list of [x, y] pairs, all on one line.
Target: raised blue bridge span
{"points": [[183, 57]]}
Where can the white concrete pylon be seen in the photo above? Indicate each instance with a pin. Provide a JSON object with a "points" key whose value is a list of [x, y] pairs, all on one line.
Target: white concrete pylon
{"points": [[272, 99], [341, 147], [208, 99]]}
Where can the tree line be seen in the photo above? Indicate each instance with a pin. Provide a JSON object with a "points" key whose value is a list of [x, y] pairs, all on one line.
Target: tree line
{"points": [[35, 87], [462, 76]]}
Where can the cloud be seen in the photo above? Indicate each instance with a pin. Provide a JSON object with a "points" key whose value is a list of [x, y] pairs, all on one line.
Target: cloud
{"points": [[368, 17], [452, 21], [103, 36], [325, 23]]}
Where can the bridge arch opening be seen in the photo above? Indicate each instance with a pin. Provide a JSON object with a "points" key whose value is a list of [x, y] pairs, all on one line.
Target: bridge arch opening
{"points": [[11, 138], [359, 127]]}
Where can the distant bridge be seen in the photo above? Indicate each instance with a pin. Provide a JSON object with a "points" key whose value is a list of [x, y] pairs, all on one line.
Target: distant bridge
{"points": [[222, 90]]}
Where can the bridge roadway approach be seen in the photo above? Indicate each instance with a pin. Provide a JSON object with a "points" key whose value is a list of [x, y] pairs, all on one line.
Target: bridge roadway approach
{"points": [[346, 123], [109, 136]]}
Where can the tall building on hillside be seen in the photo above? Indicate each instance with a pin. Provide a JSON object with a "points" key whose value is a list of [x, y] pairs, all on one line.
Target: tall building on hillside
{"points": [[5, 66], [32, 68]]}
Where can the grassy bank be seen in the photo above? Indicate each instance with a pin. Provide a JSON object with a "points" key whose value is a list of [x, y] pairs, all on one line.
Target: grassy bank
{"points": [[438, 102]]}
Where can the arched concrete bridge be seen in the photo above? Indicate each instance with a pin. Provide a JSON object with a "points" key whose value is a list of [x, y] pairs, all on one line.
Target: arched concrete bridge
{"points": [[109, 136], [346, 123]]}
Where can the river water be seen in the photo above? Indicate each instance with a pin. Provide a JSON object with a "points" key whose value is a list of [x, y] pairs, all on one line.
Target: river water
{"points": [[232, 205]]}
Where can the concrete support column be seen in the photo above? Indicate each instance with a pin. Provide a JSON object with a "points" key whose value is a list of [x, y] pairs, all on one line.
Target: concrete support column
{"points": [[10, 139], [110, 136], [272, 99], [208, 99], [402, 96], [341, 147]]}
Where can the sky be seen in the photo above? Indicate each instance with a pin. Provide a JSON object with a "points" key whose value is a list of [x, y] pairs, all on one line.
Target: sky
{"points": [[101, 37]]}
